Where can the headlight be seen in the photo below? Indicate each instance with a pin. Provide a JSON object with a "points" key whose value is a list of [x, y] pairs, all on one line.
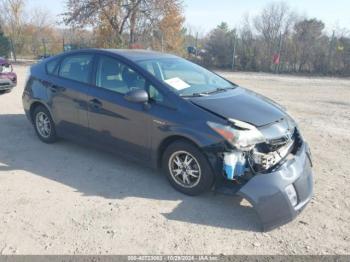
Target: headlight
{"points": [[241, 135]]}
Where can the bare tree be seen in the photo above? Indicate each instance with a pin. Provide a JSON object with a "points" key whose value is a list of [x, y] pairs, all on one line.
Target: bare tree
{"points": [[118, 16], [273, 25], [247, 48], [39, 31]]}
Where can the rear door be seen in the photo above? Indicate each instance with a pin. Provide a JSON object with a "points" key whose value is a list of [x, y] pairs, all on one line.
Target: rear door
{"points": [[69, 93]]}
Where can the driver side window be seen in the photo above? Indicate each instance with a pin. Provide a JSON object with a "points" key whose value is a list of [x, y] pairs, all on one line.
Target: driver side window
{"points": [[117, 77], [155, 95]]}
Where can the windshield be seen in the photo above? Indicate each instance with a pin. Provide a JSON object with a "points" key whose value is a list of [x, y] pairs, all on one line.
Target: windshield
{"points": [[5, 68], [186, 78]]}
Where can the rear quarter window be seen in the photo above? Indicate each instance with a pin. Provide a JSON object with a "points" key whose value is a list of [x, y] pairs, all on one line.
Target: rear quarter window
{"points": [[51, 67], [76, 67]]}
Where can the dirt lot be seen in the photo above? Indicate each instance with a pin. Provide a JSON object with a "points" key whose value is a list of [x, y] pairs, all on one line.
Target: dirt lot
{"points": [[69, 199]]}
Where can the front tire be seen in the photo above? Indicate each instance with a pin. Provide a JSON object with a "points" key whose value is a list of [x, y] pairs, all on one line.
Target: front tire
{"points": [[44, 125], [187, 168]]}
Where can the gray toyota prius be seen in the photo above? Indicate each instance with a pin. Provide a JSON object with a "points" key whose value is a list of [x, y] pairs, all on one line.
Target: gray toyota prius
{"points": [[204, 131]]}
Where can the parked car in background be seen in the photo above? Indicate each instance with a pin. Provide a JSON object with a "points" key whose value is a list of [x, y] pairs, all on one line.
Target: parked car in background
{"points": [[42, 57], [8, 79], [204, 131]]}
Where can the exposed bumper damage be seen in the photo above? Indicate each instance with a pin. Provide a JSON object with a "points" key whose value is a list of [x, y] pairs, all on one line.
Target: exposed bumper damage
{"points": [[275, 176], [267, 192]]}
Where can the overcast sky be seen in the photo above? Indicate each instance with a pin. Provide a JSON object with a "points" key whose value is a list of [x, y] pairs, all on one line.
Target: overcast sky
{"points": [[203, 15]]}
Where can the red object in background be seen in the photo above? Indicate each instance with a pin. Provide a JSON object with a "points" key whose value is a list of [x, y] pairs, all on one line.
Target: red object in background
{"points": [[136, 46], [276, 59]]}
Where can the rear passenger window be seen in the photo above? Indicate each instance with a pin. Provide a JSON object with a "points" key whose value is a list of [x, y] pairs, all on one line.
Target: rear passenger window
{"points": [[117, 77], [76, 67], [51, 67]]}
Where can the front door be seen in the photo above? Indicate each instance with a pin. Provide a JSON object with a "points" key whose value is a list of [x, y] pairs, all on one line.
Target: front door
{"points": [[116, 124]]}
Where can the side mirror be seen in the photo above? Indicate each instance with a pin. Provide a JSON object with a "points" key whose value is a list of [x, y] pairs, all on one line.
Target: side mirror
{"points": [[137, 96]]}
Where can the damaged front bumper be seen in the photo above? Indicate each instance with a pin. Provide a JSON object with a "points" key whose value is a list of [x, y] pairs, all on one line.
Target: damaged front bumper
{"points": [[267, 192]]}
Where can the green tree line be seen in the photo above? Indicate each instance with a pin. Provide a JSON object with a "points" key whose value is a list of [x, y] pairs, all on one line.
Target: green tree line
{"points": [[277, 40]]}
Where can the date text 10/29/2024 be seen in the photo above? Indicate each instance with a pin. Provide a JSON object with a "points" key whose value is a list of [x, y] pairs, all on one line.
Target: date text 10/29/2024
{"points": [[173, 258]]}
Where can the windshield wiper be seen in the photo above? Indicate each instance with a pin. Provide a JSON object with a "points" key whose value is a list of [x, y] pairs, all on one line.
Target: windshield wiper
{"points": [[219, 90], [195, 95]]}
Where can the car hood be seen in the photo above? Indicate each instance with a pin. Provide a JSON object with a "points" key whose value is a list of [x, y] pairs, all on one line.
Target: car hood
{"points": [[244, 105]]}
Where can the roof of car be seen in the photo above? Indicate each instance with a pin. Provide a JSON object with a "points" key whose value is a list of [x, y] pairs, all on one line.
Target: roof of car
{"points": [[132, 54], [139, 54]]}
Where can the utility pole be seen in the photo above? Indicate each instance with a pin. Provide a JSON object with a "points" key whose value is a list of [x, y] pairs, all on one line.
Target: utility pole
{"points": [[279, 54], [234, 51], [162, 41], [44, 45], [330, 54], [63, 44], [196, 44], [13, 50]]}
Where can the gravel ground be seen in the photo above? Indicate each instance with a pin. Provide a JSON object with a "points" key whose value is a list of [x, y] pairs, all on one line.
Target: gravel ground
{"points": [[70, 199]]}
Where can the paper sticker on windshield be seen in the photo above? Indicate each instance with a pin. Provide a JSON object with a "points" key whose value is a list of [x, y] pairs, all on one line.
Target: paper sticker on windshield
{"points": [[177, 83]]}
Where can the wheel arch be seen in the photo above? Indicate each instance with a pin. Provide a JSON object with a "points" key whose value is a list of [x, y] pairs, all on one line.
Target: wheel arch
{"points": [[35, 105], [167, 142]]}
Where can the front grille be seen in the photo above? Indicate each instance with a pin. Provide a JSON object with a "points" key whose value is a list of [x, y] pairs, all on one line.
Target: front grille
{"points": [[277, 143], [267, 156]]}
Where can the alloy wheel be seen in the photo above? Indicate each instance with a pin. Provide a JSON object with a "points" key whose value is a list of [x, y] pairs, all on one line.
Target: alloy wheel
{"points": [[184, 169], [43, 125]]}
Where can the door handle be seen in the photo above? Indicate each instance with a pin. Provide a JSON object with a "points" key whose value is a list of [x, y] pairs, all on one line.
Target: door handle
{"points": [[95, 103], [56, 89]]}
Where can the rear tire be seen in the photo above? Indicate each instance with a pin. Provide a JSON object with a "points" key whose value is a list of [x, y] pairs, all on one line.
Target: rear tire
{"points": [[44, 125], [187, 168]]}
